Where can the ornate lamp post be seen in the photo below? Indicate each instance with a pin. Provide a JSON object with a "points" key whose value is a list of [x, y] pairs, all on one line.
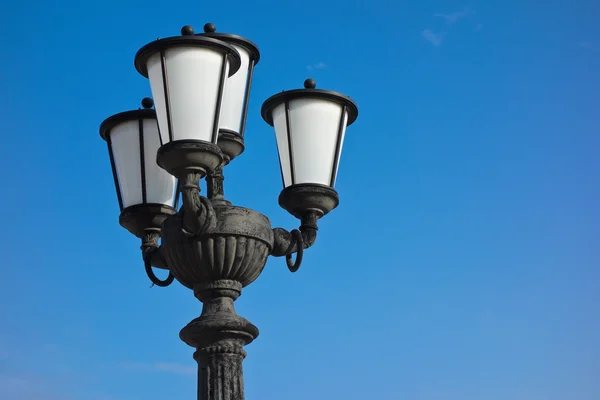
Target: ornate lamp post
{"points": [[201, 84]]}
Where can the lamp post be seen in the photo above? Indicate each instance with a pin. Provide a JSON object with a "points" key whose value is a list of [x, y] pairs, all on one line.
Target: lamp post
{"points": [[200, 84]]}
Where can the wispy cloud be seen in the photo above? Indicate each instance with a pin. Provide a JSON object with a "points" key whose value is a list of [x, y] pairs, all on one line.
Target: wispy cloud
{"points": [[436, 39], [451, 19], [456, 16], [175, 368], [583, 44], [319, 65]]}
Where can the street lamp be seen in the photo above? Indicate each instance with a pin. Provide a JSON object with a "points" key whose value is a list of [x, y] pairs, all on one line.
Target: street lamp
{"points": [[201, 84]]}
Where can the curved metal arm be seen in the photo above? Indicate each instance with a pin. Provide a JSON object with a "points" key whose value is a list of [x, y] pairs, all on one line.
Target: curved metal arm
{"points": [[198, 214], [152, 256], [287, 243]]}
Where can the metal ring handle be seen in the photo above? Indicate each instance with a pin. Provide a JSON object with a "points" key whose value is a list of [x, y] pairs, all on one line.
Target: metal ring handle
{"points": [[294, 266], [153, 278]]}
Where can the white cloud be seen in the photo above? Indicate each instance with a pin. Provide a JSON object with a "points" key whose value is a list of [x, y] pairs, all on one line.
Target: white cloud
{"points": [[456, 16], [436, 39], [319, 65]]}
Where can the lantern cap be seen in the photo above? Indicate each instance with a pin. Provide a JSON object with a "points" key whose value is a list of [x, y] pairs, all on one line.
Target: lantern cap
{"points": [[134, 115], [186, 39], [210, 30], [309, 92]]}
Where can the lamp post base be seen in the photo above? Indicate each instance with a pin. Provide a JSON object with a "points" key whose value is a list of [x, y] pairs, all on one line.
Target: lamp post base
{"points": [[219, 335]]}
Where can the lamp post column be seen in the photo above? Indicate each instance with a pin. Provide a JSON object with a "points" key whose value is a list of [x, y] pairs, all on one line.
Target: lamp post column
{"points": [[218, 336]]}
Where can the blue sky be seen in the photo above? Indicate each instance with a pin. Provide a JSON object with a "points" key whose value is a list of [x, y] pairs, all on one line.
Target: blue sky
{"points": [[461, 264]]}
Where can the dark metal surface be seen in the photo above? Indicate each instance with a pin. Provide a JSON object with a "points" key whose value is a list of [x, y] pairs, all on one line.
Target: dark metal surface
{"points": [[219, 336], [247, 96], [211, 246], [105, 133], [125, 116], [290, 142], [220, 93], [167, 96], [161, 45], [186, 155], [293, 266], [214, 187], [210, 30], [287, 243], [305, 197], [236, 249], [150, 251], [338, 146], [137, 219], [216, 249], [308, 93], [231, 144]]}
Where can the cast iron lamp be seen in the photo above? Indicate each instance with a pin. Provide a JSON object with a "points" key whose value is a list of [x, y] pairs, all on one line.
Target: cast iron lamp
{"points": [[201, 85]]}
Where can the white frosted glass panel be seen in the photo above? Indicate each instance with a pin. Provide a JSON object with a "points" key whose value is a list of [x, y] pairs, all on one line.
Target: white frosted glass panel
{"points": [[233, 98], [193, 77], [160, 185], [158, 95], [126, 152], [314, 124], [280, 125]]}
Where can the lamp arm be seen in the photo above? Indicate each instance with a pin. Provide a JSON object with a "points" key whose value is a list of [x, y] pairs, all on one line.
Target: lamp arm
{"points": [[198, 214], [152, 256], [287, 243]]}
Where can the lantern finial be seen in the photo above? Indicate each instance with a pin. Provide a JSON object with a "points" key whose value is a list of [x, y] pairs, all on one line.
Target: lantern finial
{"points": [[210, 28], [187, 30], [310, 83], [147, 103]]}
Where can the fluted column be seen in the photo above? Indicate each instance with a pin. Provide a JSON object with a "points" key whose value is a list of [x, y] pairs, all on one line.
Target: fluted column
{"points": [[220, 374], [219, 335]]}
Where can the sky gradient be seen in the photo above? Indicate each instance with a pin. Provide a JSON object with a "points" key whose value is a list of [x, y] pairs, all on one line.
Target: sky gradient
{"points": [[462, 262]]}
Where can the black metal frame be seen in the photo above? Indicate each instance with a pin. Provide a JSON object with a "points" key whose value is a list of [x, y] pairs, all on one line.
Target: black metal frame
{"points": [[288, 95], [349, 114], [254, 53], [138, 217], [161, 45], [211, 246], [221, 90], [105, 130], [231, 142], [230, 54]]}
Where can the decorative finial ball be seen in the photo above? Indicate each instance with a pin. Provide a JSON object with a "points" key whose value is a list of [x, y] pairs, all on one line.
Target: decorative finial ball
{"points": [[187, 30], [310, 83], [210, 28], [147, 102]]}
